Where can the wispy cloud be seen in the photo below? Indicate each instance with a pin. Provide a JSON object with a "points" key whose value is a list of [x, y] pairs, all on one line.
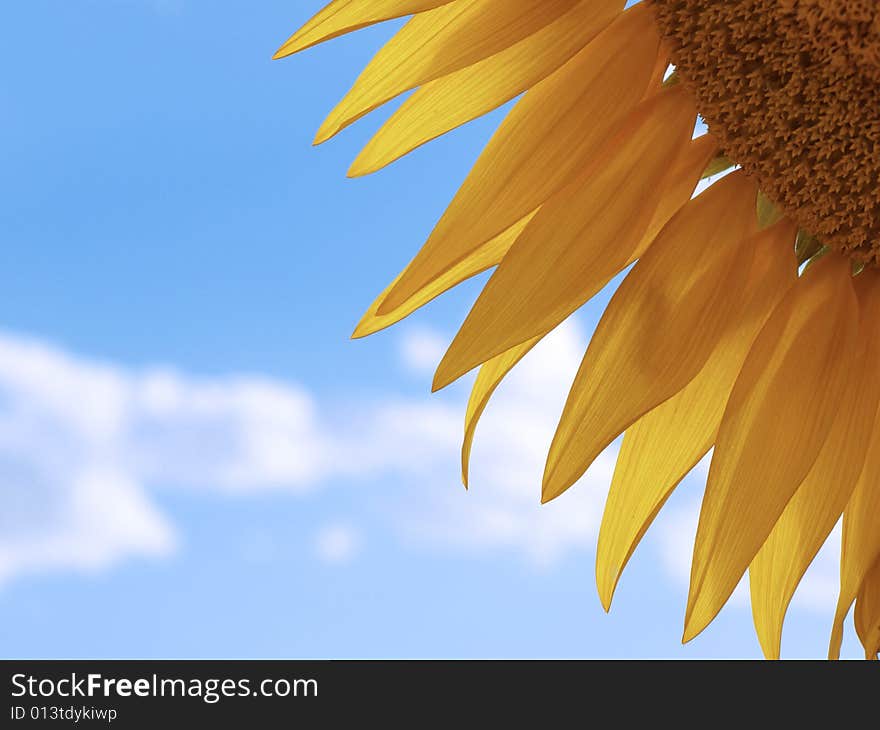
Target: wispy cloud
{"points": [[421, 349], [502, 511], [337, 543], [84, 444]]}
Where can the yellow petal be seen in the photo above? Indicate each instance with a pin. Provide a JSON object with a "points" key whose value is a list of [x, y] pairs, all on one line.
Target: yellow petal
{"points": [[482, 258], [659, 327], [778, 416], [677, 189], [578, 240], [661, 64], [543, 143], [679, 186], [820, 500], [345, 16], [664, 445], [867, 613], [861, 536], [453, 100], [489, 378], [437, 43]]}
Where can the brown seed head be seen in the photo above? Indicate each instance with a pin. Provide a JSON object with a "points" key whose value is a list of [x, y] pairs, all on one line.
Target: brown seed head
{"points": [[791, 89]]}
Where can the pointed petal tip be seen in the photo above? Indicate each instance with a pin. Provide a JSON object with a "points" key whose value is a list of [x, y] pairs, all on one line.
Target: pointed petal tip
{"points": [[358, 169], [691, 629], [364, 328], [688, 635], [552, 484], [364, 165], [545, 495], [606, 585], [445, 374], [298, 42], [325, 132], [836, 640], [286, 49], [771, 646], [549, 491], [695, 622], [548, 488]]}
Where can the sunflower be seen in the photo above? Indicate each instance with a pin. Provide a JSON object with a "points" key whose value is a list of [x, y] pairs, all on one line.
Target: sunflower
{"points": [[748, 322]]}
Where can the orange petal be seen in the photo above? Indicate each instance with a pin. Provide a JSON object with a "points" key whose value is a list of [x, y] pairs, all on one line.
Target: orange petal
{"points": [[664, 445], [457, 98], [867, 613], [678, 187], [820, 500], [778, 416], [345, 16], [545, 141], [659, 328], [482, 258], [488, 379], [578, 240], [661, 64], [437, 43], [861, 537]]}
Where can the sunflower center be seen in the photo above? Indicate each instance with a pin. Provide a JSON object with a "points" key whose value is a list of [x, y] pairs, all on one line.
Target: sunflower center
{"points": [[790, 90]]}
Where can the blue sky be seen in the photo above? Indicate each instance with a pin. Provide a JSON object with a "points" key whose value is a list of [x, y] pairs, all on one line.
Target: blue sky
{"points": [[195, 460]]}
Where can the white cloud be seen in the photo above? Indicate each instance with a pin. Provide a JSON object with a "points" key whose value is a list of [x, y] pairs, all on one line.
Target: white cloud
{"points": [[92, 522], [68, 502], [83, 445], [421, 349], [502, 509], [337, 543]]}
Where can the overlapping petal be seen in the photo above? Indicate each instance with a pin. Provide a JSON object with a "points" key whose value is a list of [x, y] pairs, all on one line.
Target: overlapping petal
{"points": [[457, 98], [867, 613], [488, 379], [774, 425], [665, 444], [482, 258], [711, 339], [544, 142], [344, 16], [861, 538], [676, 190], [579, 239], [439, 42], [660, 327], [819, 502]]}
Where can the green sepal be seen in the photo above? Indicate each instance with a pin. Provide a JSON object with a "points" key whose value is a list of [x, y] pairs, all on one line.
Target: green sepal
{"points": [[806, 246], [768, 213], [718, 164]]}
